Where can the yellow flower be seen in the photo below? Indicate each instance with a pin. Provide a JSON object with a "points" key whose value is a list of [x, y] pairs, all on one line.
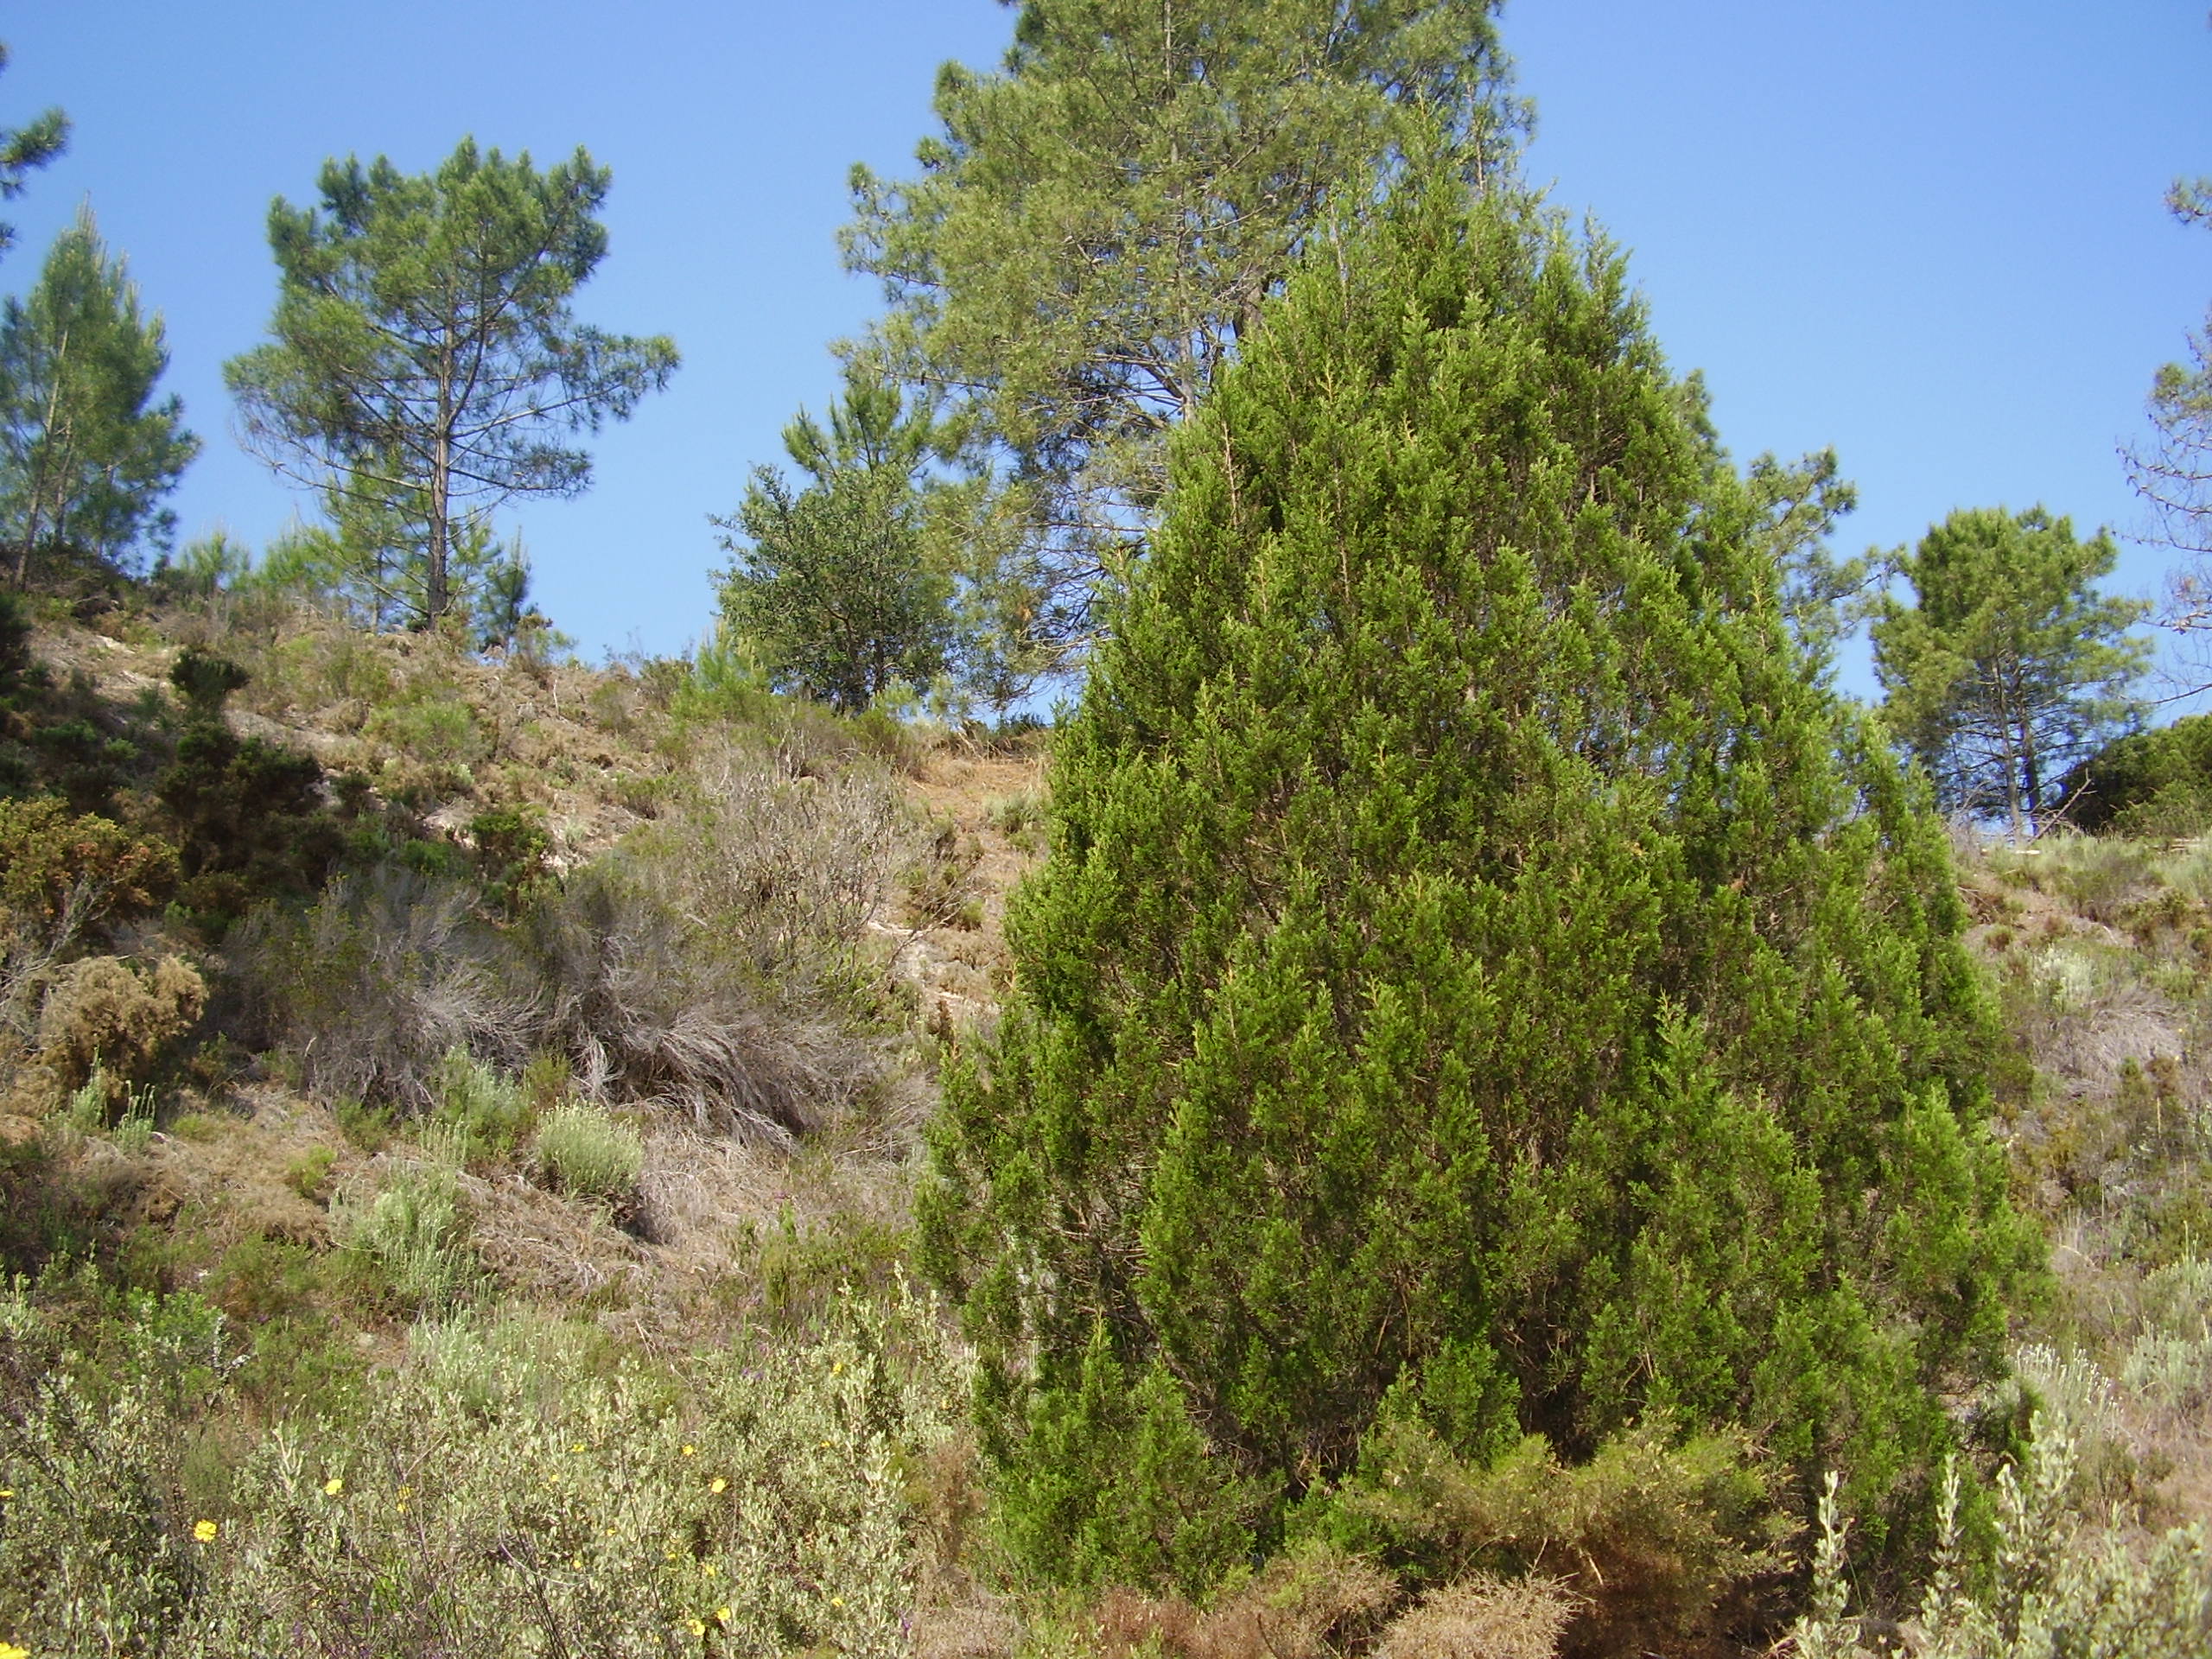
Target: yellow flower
{"points": [[402, 1507], [709, 1569], [575, 1448], [10, 1650], [406, 1492], [716, 1485], [6, 1492], [334, 1485], [577, 1562], [723, 1614], [698, 1628], [690, 1450], [204, 1531], [837, 1368], [836, 1601]]}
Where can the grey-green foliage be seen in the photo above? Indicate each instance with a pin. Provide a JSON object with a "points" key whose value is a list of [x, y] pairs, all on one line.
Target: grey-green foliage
{"points": [[86, 452], [586, 1152], [505, 1491], [416, 1228], [2006, 666], [1095, 228], [425, 365], [2061, 1584]]}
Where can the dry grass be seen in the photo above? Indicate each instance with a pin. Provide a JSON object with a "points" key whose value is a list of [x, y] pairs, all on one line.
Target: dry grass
{"points": [[1482, 1618]]}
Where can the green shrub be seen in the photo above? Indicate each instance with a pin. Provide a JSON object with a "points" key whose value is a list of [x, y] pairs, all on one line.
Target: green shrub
{"points": [[1479, 975], [416, 1231], [308, 1174], [485, 1110], [584, 1152], [440, 733], [2148, 783]]}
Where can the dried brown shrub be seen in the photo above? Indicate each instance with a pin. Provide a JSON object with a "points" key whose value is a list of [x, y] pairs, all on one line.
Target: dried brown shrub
{"points": [[1483, 1617], [1308, 1604], [109, 1012]]}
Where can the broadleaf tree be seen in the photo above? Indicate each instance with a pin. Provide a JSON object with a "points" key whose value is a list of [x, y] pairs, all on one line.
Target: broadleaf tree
{"points": [[425, 366], [1480, 983], [1096, 227], [87, 452], [2007, 667]]}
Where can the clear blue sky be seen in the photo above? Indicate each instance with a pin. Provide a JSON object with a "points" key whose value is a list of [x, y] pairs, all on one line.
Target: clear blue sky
{"points": [[1929, 234]]}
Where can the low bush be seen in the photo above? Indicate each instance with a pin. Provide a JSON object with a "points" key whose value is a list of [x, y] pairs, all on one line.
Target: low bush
{"points": [[416, 1231], [1655, 1542], [584, 1152], [2060, 1583], [105, 1012], [508, 1488], [379, 979], [483, 1111]]}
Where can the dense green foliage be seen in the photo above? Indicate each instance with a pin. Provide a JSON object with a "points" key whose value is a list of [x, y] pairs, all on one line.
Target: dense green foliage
{"points": [[2157, 782], [425, 360], [1098, 225], [86, 452], [1479, 984], [2007, 667], [833, 590]]}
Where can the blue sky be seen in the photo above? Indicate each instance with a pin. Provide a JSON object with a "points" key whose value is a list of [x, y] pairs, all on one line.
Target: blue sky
{"points": [[1929, 234]]}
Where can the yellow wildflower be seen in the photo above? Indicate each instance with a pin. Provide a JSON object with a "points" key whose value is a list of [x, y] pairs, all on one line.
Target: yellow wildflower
{"points": [[698, 1628], [334, 1485], [690, 1450], [717, 1486], [709, 1569], [722, 1613], [836, 1601], [10, 1650], [578, 1447], [204, 1531], [577, 1562]]}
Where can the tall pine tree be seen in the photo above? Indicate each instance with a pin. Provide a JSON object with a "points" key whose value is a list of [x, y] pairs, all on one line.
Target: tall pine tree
{"points": [[1478, 976]]}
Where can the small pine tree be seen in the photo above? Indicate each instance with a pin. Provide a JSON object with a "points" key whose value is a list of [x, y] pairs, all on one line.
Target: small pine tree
{"points": [[1479, 979]]}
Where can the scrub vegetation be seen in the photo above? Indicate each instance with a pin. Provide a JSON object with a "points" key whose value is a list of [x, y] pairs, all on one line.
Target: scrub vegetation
{"points": [[1457, 1101]]}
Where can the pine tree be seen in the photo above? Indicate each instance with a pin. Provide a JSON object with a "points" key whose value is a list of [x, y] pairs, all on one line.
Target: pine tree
{"points": [[2007, 667], [1096, 227], [425, 360], [1479, 979], [86, 452]]}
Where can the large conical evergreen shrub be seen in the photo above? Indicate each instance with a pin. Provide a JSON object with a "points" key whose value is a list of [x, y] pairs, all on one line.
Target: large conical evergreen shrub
{"points": [[1478, 977]]}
